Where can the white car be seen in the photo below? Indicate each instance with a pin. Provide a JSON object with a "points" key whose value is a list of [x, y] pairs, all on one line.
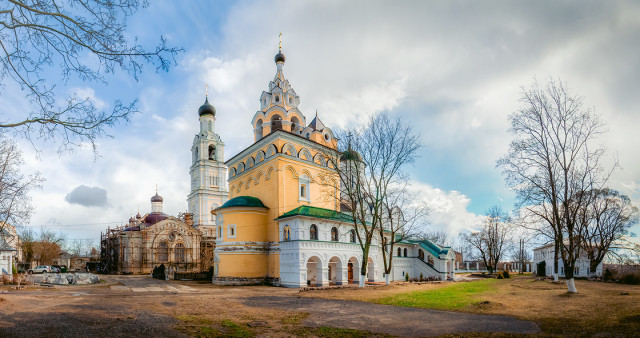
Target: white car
{"points": [[40, 269]]}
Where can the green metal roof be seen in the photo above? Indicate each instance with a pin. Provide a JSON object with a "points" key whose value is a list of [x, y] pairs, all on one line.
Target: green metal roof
{"points": [[243, 201], [309, 211], [433, 248]]}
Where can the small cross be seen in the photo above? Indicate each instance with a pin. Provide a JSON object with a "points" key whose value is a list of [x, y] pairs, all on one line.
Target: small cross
{"points": [[280, 44]]}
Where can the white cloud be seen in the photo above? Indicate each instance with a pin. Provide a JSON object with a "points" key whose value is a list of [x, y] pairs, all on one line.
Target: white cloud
{"points": [[448, 209], [452, 69]]}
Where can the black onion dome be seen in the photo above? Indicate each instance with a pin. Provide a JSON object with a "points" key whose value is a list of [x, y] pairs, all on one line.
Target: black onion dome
{"points": [[280, 57], [156, 198], [207, 108], [350, 155]]}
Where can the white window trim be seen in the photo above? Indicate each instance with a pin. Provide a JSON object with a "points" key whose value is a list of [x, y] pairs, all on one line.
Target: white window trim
{"points": [[231, 229], [304, 180], [221, 231]]}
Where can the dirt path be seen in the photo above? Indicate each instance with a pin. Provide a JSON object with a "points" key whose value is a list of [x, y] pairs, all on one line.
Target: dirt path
{"points": [[129, 306], [393, 320]]}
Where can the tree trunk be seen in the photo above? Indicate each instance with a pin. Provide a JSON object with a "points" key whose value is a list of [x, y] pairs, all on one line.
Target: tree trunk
{"points": [[361, 281], [387, 279], [555, 262], [571, 286]]}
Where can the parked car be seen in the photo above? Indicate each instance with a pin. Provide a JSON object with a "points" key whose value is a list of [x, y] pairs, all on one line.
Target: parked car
{"points": [[40, 269], [62, 268]]}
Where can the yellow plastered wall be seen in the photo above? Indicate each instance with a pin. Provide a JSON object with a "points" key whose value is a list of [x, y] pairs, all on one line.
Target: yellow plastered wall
{"points": [[242, 265], [275, 183], [251, 226]]}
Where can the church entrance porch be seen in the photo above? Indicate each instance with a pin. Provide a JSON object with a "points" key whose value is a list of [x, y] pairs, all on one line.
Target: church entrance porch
{"points": [[353, 270], [336, 271], [371, 268], [314, 272]]}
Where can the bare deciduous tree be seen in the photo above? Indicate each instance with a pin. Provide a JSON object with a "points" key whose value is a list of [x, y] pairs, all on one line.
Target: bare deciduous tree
{"points": [[42, 247], [402, 216], [373, 161], [492, 239], [551, 162], [15, 204], [440, 237], [79, 39], [605, 223]]}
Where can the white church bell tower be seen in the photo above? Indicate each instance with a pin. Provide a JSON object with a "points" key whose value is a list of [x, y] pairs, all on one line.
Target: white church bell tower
{"points": [[208, 172]]}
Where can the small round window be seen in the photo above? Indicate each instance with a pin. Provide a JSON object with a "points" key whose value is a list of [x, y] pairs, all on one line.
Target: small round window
{"points": [[327, 137]]}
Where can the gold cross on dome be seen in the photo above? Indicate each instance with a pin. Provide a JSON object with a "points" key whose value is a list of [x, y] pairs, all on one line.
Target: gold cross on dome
{"points": [[206, 89], [280, 44]]}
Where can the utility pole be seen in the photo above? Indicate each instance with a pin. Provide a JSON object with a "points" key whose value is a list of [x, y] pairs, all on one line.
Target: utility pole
{"points": [[521, 254]]}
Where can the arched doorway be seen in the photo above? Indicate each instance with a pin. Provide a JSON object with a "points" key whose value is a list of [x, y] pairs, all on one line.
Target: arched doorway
{"points": [[353, 270], [335, 271], [371, 270], [314, 271]]}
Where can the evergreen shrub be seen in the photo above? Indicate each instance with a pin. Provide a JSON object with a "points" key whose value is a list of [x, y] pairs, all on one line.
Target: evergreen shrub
{"points": [[630, 278]]}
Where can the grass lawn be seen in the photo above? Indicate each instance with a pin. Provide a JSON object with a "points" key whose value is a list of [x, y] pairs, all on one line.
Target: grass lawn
{"points": [[453, 296], [597, 309]]}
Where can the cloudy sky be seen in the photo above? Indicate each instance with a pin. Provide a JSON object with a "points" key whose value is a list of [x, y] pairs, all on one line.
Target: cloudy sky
{"points": [[454, 69]]}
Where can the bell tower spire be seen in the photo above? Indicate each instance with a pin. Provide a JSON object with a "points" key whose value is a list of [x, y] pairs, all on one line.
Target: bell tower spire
{"points": [[208, 171]]}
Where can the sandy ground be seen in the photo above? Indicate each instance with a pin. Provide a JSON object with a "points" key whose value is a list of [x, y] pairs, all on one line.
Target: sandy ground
{"points": [[141, 306]]}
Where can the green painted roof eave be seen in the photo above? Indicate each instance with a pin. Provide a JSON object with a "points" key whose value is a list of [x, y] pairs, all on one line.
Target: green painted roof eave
{"points": [[315, 212], [243, 202]]}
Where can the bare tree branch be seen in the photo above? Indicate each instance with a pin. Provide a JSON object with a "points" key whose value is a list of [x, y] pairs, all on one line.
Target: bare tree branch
{"points": [[71, 37]]}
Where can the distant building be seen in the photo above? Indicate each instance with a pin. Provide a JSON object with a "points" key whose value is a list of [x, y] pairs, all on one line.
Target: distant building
{"points": [[10, 248], [151, 240], [543, 258]]}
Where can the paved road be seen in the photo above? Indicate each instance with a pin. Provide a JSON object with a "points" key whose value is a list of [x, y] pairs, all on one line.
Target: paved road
{"points": [[394, 320]]}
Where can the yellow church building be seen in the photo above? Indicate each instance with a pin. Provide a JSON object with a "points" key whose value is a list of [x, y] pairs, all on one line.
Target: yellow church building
{"points": [[281, 223]]}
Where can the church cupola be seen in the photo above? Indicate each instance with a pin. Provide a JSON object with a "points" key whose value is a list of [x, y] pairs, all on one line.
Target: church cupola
{"points": [[280, 57], [207, 108], [156, 202]]}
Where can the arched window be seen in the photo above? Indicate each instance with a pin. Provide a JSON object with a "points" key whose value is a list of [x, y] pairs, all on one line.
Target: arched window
{"points": [[290, 100], [313, 232], [286, 233], [212, 152], [420, 254], [259, 129], [399, 252], [213, 215], [334, 234], [295, 124], [195, 154], [179, 253], [277, 98], [352, 236], [210, 126], [405, 252], [276, 123], [163, 252]]}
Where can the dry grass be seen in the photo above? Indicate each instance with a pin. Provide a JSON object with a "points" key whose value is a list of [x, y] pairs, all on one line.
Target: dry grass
{"points": [[598, 308]]}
